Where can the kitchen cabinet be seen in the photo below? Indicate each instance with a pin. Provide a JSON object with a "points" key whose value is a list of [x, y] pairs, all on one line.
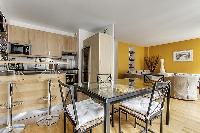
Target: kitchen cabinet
{"points": [[100, 55], [54, 43], [38, 41], [60, 42], [43, 43], [69, 44], [18, 35]]}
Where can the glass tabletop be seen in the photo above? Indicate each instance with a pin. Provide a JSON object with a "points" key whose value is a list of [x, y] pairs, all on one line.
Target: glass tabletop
{"points": [[117, 88]]}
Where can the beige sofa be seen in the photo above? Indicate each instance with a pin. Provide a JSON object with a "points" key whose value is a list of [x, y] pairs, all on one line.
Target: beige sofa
{"points": [[184, 87]]}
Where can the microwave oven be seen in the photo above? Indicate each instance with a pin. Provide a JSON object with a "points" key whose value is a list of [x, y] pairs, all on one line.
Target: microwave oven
{"points": [[20, 49]]}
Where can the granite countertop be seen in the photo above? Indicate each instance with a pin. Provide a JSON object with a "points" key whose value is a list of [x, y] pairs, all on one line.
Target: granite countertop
{"points": [[30, 72], [29, 77], [31, 62]]}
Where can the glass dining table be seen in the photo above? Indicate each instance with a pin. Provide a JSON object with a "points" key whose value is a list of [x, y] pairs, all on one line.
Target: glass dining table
{"points": [[120, 90]]}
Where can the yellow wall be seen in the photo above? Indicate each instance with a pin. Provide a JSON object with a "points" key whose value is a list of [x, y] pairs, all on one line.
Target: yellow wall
{"points": [[123, 48], [166, 52]]}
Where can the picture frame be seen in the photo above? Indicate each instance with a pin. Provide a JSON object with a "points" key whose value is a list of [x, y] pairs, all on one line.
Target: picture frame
{"points": [[186, 55]]}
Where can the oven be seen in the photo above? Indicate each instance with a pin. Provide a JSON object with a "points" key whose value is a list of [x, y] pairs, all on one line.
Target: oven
{"points": [[71, 76]]}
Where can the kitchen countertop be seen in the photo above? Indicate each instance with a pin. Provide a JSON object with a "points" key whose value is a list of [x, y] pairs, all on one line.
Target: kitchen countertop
{"points": [[30, 72], [31, 62], [29, 77]]}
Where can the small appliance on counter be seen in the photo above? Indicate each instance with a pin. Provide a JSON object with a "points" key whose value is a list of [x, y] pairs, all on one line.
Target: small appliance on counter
{"points": [[16, 66]]}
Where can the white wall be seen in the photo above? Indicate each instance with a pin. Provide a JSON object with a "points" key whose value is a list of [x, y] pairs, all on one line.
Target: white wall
{"points": [[82, 35], [110, 29], [116, 59]]}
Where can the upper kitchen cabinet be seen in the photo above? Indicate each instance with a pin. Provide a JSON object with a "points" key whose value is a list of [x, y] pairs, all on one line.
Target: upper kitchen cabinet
{"points": [[69, 44], [54, 43], [60, 42], [43, 43], [18, 35], [38, 41]]}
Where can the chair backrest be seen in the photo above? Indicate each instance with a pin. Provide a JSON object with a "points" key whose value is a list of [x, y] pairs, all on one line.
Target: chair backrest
{"points": [[68, 96], [161, 89], [104, 80], [151, 78]]}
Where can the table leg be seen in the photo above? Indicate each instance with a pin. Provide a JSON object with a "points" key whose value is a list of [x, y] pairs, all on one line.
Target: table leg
{"points": [[65, 126], [168, 107], [113, 115], [106, 118]]}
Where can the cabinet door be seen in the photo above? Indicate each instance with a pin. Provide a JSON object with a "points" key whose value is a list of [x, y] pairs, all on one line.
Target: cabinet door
{"points": [[69, 44], [60, 41], [38, 41], [18, 34], [65, 44], [105, 53], [73, 44], [53, 45]]}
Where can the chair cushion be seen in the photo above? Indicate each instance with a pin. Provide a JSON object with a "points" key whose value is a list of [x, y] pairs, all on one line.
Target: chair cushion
{"points": [[88, 111], [139, 106]]}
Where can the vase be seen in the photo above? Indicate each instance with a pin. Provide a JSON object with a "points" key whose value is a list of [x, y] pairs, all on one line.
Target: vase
{"points": [[162, 68]]}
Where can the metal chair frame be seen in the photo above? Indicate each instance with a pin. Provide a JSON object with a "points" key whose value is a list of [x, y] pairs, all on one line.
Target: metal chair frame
{"points": [[50, 118], [71, 92], [10, 126], [162, 88], [148, 80], [108, 80]]}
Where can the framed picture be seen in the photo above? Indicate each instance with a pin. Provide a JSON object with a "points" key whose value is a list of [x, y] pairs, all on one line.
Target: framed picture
{"points": [[186, 55]]}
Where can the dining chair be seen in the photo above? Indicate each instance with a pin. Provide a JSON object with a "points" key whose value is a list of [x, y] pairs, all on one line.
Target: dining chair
{"points": [[105, 80], [146, 109], [151, 78], [84, 115]]}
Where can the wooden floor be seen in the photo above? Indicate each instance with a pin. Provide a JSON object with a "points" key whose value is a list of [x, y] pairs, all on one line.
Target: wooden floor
{"points": [[185, 118]]}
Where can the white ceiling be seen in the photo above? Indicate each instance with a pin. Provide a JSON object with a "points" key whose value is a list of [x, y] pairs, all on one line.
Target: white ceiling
{"points": [[142, 22]]}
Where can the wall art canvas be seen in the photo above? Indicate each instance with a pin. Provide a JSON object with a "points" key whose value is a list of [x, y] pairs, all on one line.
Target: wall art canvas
{"points": [[186, 55]]}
